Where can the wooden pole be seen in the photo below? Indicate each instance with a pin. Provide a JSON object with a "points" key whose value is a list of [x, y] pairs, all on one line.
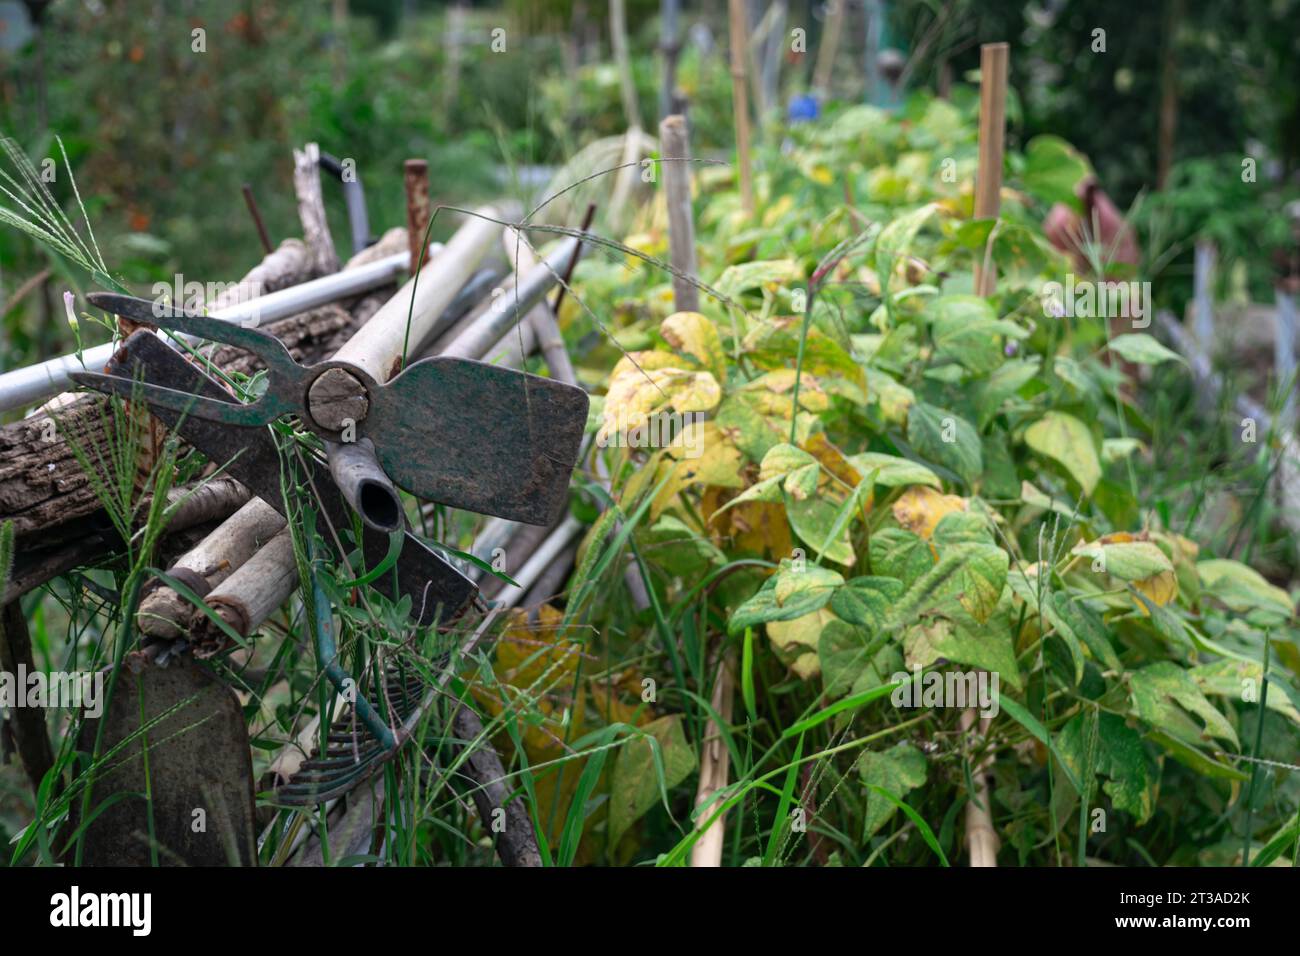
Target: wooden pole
{"points": [[828, 47], [988, 178], [740, 101], [618, 39], [676, 148]]}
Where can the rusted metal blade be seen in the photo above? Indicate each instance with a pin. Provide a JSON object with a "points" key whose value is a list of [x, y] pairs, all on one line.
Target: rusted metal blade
{"points": [[481, 438], [437, 590], [200, 775]]}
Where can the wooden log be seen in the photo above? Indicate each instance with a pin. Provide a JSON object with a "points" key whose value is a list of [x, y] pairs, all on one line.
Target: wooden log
{"points": [[516, 844], [246, 598], [994, 59], [415, 177], [42, 487], [673, 139], [163, 612]]}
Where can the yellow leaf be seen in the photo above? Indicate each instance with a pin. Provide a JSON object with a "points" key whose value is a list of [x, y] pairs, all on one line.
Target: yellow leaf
{"points": [[692, 334], [1159, 589], [921, 508], [796, 641], [636, 394]]}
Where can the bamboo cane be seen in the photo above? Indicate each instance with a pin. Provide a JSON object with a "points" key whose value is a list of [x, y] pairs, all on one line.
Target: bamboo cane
{"points": [[988, 178], [740, 101]]}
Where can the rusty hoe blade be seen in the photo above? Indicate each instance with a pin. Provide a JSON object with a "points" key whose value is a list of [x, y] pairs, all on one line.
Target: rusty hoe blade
{"points": [[455, 431]]}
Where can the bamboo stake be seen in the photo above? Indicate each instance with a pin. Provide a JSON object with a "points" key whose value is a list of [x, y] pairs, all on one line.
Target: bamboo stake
{"points": [[379, 346], [988, 178], [981, 838], [163, 612], [740, 102], [618, 40], [675, 143], [246, 598], [715, 764], [828, 47]]}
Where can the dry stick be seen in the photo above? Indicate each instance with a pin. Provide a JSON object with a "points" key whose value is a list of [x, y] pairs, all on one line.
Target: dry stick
{"points": [[216, 499], [256, 213], [30, 735], [517, 843], [740, 101], [675, 144], [988, 177], [311, 209], [828, 47], [163, 612], [587, 218], [623, 183], [981, 838]]}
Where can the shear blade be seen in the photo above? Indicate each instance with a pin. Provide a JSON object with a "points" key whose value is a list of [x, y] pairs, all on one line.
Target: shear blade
{"points": [[481, 438]]}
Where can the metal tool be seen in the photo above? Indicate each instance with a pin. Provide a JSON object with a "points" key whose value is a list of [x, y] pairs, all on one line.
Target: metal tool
{"points": [[455, 431], [438, 592]]}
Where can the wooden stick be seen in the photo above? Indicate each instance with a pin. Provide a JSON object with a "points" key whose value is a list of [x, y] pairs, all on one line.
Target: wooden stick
{"points": [[740, 101], [828, 47], [618, 40], [675, 143], [993, 120], [256, 213], [715, 764], [516, 845], [311, 210]]}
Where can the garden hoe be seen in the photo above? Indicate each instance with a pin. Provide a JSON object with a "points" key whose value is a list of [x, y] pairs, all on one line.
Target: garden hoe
{"points": [[454, 431]]}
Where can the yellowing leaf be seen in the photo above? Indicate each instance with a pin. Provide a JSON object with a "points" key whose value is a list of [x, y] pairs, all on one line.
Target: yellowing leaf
{"points": [[692, 334], [921, 508], [637, 394]]}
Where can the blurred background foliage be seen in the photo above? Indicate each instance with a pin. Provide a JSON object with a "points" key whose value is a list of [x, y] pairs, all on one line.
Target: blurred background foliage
{"points": [[160, 137]]}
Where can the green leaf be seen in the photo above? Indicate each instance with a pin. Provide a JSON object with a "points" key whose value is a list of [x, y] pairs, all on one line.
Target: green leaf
{"points": [[1126, 560], [947, 438], [1053, 170], [1232, 677], [1143, 349], [784, 596], [963, 641], [900, 770], [644, 770], [1121, 757], [893, 471], [1073, 621], [1067, 440], [1164, 694], [983, 577], [866, 600], [854, 660], [751, 275], [899, 553], [1025, 719], [1242, 588]]}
